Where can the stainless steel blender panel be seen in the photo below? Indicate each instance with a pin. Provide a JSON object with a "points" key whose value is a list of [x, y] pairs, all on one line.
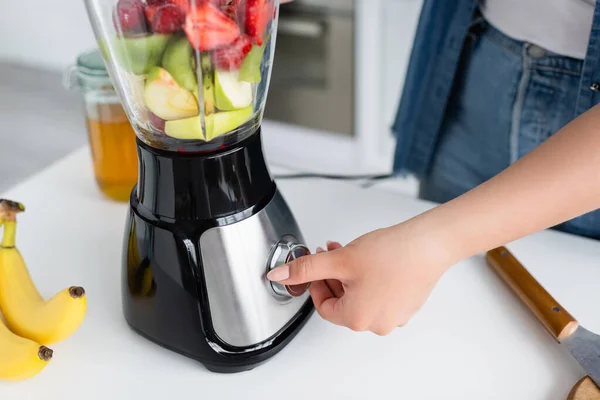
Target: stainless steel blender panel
{"points": [[244, 308]]}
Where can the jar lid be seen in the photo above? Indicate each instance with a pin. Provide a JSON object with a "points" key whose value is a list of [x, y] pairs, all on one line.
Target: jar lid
{"points": [[91, 63], [88, 73]]}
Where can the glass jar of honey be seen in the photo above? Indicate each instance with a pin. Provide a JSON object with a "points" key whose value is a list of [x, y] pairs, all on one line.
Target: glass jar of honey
{"points": [[112, 139]]}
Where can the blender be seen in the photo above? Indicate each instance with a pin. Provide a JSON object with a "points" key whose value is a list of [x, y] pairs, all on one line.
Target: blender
{"points": [[206, 221]]}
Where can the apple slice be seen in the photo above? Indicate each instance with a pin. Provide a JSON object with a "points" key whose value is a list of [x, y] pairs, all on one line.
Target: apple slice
{"points": [[178, 60], [216, 125], [166, 99], [250, 69], [135, 54], [231, 93]]}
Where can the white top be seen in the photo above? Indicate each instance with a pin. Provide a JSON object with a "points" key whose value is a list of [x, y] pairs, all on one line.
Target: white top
{"points": [[472, 339], [561, 26]]}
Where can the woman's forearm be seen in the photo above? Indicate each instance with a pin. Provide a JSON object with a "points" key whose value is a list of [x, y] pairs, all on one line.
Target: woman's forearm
{"points": [[557, 181]]}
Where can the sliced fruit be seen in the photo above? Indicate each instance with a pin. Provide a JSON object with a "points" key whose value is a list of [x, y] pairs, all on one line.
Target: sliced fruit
{"points": [[156, 122], [156, 2], [216, 124], [231, 57], [136, 54], [231, 93], [208, 94], [224, 122], [166, 99], [185, 5], [250, 69], [167, 19], [178, 60], [150, 11], [258, 15], [207, 28], [129, 17]]}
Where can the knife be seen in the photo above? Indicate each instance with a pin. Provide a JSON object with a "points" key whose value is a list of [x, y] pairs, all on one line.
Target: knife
{"points": [[566, 330]]}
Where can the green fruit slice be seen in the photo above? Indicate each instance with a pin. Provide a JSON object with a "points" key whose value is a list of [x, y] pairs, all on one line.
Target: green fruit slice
{"points": [[137, 55], [178, 60], [166, 99], [216, 125], [231, 93], [224, 122], [250, 69]]}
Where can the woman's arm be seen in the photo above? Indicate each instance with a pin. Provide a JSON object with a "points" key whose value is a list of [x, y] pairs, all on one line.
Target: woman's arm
{"points": [[380, 280], [557, 181]]}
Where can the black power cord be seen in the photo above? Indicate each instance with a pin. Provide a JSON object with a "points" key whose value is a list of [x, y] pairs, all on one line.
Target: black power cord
{"points": [[371, 179]]}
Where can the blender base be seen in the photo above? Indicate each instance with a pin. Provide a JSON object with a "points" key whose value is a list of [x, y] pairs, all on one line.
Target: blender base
{"points": [[201, 234], [230, 367]]}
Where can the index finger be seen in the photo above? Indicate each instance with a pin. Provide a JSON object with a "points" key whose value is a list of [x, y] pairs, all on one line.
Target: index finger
{"points": [[311, 268]]}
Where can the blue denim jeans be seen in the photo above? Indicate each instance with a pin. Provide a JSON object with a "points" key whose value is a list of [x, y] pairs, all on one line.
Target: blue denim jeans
{"points": [[508, 98]]}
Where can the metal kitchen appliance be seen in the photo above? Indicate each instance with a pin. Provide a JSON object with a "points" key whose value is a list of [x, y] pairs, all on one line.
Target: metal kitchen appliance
{"points": [[206, 219]]}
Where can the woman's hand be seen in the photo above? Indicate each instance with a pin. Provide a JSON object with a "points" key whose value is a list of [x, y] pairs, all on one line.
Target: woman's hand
{"points": [[380, 280], [375, 283]]}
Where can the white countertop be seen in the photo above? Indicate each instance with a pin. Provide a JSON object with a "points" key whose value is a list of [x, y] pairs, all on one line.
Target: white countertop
{"points": [[472, 340]]}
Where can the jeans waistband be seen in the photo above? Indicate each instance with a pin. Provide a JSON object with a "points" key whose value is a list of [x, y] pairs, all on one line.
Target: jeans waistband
{"points": [[537, 56]]}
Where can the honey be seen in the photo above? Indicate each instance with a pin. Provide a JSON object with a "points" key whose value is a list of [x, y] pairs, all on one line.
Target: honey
{"points": [[113, 148]]}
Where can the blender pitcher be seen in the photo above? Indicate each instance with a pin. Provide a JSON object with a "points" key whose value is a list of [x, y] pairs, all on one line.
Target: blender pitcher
{"points": [[193, 74], [206, 219]]}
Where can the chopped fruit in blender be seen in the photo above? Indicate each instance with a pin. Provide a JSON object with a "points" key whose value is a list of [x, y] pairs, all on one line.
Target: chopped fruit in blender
{"points": [[136, 54], [206, 63], [150, 11], [156, 2], [209, 94], [231, 57], [258, 15], [224, 122], [178, 60], [230, 8], [216, 125], [185, 5], [230, 92], [167, 19], [129, 17], [250, 69], [207, 28], [165, 98], [156, 122]]}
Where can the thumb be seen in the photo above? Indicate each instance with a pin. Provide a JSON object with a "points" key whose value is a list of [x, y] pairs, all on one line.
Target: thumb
{"points": [[315, 267]]}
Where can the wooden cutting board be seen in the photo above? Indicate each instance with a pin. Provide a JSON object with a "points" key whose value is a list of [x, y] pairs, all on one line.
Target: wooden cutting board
{"points": [[585, 389]]}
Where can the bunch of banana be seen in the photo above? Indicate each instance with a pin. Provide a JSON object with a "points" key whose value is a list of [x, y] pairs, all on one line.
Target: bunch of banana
{"points": [[32, 323]]}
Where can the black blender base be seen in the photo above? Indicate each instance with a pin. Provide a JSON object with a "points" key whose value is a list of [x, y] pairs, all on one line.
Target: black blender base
{"points": [[232, 367], [215, 368], [165, 289]]}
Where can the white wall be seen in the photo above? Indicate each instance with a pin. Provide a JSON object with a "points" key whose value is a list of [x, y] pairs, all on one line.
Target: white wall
{"points": [[43, 33]]}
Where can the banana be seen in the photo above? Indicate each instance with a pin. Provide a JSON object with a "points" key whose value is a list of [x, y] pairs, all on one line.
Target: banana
{"points": [[26, 312], [20, 358]]}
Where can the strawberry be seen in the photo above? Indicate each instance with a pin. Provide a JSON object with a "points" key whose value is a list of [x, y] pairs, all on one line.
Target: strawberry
{"points": [[167, 19], [258, 15], [207, 28], [150, 11], [231, 57], [152, 3], [184, 5]]}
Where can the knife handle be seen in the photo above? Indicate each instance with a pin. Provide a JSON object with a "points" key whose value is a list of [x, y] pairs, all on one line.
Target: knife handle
{"points": [[557, 321]]}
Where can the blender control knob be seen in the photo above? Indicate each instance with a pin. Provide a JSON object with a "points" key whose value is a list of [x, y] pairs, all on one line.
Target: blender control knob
{"points": [[284, 253]]}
